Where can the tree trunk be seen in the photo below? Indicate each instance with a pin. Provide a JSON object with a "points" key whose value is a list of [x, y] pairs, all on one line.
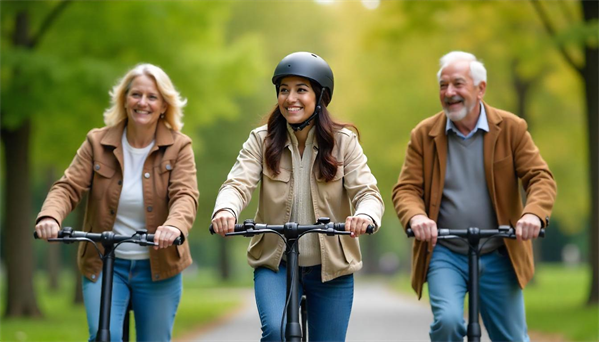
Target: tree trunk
{"points": [[370, 257], [53, 266], [522, 87], [590, 74], [591, 78], [79, 218], [54, 255], [223, 262], [20, 294]]}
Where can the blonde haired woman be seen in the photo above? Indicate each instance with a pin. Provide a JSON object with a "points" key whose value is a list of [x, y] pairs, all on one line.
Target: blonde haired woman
{"points": [[140, 173]]}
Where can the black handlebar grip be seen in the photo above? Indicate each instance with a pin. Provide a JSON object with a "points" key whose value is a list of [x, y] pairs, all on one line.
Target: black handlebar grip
{"points": [[211, 230], [542, 233], [35, 235], [178, 241], [370, 229], [410, 232]]}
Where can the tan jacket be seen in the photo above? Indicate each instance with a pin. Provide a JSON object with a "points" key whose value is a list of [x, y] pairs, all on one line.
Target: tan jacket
{"points": [[170, 193], [354, 186], [509, 155]]}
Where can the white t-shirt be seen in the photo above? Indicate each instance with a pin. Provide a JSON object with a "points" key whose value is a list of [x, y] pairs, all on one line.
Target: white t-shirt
{"points": [[131, 210]]}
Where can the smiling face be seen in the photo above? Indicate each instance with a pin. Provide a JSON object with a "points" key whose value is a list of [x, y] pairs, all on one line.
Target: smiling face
{"points": [[296, 99], [457, 92], [144, 103]]}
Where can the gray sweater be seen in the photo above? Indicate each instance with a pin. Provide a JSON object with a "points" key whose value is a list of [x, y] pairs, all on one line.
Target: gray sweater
{"points": [[466, 201]]}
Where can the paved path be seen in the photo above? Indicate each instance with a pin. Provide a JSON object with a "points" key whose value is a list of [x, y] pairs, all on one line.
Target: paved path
{"points": [[378, 314]]}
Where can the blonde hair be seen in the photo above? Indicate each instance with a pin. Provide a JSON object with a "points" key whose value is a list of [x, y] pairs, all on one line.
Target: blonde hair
{"points": [[173, 114], [478, 72]]}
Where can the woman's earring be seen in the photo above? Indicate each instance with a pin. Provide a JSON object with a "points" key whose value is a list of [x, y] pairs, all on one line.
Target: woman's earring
{"points": [[162, 116]]}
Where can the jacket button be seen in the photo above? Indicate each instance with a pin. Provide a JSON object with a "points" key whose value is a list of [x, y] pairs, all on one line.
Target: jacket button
{"points": [[169, 167], [111, 211], [150, 208], [97, 167], [156, 276], [120, 182], [93, 276], [147, 175]]}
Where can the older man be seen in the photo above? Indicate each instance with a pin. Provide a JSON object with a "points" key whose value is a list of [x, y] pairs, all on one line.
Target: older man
{"points": [[461, 170]]}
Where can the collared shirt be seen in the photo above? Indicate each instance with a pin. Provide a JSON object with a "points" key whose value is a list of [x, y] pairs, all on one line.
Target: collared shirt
{"points": [[482, 123]]}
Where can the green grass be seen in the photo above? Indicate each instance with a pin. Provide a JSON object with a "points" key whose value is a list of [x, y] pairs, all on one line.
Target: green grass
{"points": [[555, 302], [65, 321]]}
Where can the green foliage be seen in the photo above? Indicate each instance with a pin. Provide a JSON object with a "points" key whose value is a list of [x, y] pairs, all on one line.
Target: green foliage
{"points": [[555, 303], [220, 56]]}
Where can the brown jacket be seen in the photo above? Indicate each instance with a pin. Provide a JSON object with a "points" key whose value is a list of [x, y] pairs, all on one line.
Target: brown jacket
{"points": [[354, 186], [509, 155], [170, 193]]}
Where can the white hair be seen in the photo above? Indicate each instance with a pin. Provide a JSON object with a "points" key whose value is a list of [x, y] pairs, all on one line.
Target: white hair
{"points": [[477, 69]]}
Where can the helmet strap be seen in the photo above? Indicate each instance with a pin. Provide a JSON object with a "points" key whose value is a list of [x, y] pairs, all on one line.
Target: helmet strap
{"points": [[300, 126]]}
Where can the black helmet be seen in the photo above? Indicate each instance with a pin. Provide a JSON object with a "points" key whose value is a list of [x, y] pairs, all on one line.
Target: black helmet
{"points": [[308, 65]]}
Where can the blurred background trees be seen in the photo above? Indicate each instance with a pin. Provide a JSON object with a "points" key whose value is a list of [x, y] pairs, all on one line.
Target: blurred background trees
{"points": [[59, 59]]}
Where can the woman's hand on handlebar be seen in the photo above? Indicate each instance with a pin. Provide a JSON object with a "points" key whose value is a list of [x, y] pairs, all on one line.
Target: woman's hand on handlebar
{"points": [[357, 224], [223, 222], [165, 236], [424, 229], [47, 228]]}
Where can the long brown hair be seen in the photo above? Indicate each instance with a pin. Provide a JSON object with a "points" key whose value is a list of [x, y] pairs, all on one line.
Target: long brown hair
{"points": [[325, 137]]}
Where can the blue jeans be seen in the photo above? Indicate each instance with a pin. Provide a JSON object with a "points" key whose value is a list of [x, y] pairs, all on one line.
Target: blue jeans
{"points": [[329, 303], [500, 298], [154, 303]]}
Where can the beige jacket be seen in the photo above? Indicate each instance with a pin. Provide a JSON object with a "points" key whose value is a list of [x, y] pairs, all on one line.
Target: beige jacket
{"points": [[509, 155], [170, 194], [354, 186]]}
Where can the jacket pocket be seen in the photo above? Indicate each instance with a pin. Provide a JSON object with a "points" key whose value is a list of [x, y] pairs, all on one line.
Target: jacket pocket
{"points": [[283, 176], [102, 180], [255, 249], [181, 251], [331, 194], [166, 166], [103, 170], [276, 190], [505, 162], [338, 175], [83, 246], [351, 250]]}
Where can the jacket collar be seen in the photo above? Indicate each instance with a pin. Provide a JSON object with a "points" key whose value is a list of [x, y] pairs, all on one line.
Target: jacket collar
{"points": [[440, 124], [311, 135], [164, 136]]}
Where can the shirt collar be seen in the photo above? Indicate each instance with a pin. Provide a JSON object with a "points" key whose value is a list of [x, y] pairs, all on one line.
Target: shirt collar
{"points": [[482, 124]]}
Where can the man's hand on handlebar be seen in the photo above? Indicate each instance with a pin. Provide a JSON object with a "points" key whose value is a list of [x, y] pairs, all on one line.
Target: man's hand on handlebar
{"points": [[528, 227], [357, 224], [165, 236], [223, 222], [424, 229], [47, 228]]}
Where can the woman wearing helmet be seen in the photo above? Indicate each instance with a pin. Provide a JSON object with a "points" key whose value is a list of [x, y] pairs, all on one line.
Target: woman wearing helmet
{"points": [[308, 166]]}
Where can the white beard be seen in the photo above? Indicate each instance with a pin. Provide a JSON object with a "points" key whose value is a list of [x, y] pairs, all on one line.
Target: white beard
{"points": [[456, 115]]}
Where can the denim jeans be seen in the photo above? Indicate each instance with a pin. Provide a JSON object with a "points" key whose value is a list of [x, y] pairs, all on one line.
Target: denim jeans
{"points": [[329, 303], [154, 302], [500, 298]]}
